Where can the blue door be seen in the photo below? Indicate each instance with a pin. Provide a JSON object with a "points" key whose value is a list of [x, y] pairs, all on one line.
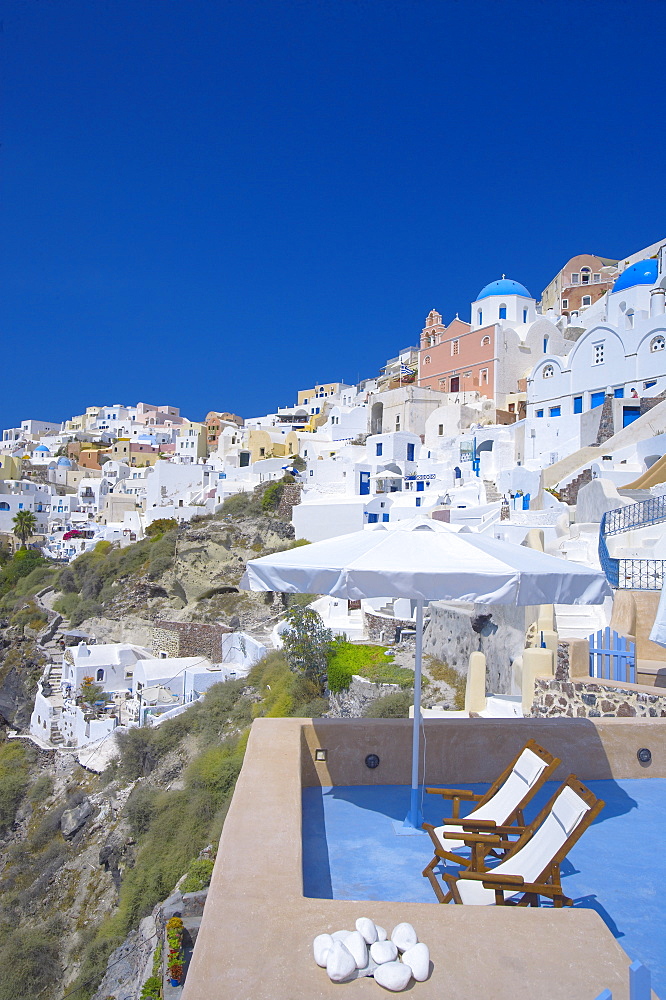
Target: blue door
{"points": [[364, 484], [373, 518], [629, 414], [420, 486]]}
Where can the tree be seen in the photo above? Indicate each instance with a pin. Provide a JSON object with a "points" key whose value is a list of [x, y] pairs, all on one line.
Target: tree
{"points": [[24, 523], [307, 644]]}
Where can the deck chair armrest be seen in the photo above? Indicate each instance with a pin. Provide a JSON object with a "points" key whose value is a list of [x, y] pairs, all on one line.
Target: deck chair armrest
{"points": [[474, 838], [553, 891], [491, 880], [454, 793], [477, 824]]}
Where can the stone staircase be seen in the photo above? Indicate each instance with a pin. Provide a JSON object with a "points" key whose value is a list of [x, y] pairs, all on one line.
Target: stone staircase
{"points": [[569, 493], [492, 494]]}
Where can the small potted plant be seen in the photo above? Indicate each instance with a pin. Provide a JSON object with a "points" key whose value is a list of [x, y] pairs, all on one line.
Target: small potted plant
{"points": [[174, 933]]}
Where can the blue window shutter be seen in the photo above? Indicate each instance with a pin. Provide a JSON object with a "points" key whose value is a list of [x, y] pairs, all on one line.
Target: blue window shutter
{"points": [[597, 399], [578, 404]]}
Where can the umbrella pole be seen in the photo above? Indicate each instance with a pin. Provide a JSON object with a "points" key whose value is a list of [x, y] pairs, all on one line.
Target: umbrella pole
{"points": [[415, 816]]}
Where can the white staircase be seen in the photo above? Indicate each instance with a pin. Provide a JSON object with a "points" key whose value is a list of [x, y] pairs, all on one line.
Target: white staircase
{"points": [[578, 621]]}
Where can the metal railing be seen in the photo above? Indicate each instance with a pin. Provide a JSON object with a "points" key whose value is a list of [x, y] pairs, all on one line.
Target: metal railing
{"points": [[635, 515], [632, 574]]}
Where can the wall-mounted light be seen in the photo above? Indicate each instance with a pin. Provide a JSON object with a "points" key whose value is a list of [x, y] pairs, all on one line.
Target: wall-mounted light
{"points": [[644, 755], [372, 761], [321, 754]]}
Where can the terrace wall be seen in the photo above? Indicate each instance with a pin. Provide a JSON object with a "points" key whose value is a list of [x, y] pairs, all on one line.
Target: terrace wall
{"points": [[255, 941]]}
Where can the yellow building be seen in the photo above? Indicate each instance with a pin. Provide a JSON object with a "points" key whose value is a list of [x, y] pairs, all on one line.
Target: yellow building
{"points": [[11, 468], [261, 445], [311, 397]]}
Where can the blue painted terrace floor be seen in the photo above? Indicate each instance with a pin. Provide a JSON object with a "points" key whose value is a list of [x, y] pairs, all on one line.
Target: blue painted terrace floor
{"points": [[618, 867]]}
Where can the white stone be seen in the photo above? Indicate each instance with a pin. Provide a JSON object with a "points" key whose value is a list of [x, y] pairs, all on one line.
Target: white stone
{"points": [[418, 959], [383, 951], [367, 928], [340, 935], [393, 976], [358, 948], [340, 964], [382, 933], [404, 937], [321, 946]]}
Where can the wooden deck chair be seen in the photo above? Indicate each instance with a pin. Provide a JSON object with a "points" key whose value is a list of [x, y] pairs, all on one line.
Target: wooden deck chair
{"points": [[531, 867], [501, 805]]}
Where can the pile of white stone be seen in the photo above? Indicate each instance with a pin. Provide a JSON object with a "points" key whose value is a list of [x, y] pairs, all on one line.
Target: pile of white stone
{"points": [[368, 951]]}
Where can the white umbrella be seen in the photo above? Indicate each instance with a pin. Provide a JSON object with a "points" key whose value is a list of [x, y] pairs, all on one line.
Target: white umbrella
{"points": [[426, 562], [387, 475]]}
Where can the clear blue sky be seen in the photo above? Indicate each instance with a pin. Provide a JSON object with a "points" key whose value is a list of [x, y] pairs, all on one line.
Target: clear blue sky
{"points": [[214, 204]]}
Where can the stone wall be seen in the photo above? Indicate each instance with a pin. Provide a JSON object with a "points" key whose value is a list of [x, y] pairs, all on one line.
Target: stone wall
{"points": [[498, 631], [352, 703], [290, 498], [606, 423], [589, 698], [648, 402], [189, 639], [382, 628]]}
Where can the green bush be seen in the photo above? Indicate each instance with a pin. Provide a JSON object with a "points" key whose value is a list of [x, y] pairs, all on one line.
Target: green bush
{"points": [[13, 780], [441, 671], [152, 989], [31, 955], [271, 497], [160, 526], [391, 706], [198, 876], [241, 505], [140, 808], [41, 788], [67, 604], [367, 661]]}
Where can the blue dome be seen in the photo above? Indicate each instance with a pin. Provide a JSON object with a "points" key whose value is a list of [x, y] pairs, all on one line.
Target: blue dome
{"points": [[503, 286], [642, 273], [63, 460], [41, 447]]}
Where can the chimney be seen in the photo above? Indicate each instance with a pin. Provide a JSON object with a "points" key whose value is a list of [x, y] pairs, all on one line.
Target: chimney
{"points": [[657, 301]]}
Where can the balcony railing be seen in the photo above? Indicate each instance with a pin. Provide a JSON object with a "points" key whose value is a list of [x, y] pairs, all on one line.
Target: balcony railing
{"points": [[632, 574]]}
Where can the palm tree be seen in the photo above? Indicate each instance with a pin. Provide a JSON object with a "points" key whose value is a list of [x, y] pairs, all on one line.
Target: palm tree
{"points": [[24, 523]]}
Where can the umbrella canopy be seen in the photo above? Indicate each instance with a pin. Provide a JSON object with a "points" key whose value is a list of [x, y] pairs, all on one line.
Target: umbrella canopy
{"points": [[429, 564], [387, 475]]}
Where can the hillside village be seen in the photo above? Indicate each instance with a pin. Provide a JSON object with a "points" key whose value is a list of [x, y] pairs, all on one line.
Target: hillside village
{"points": [[540, 422], [536, 416]]}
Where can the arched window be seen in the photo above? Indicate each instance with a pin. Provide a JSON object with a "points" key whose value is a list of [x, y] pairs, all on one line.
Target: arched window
{"points": [[587, 300], [479, 316], [548, 371], [502, 311], [585, 273], [524, 315], [630, 319], [485, 342], [4, 506], [426, 360], [656, 344], [100, 675]]}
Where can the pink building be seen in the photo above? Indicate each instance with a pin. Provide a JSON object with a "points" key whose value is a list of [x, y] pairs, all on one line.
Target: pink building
{"points": [[456, 358]]}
